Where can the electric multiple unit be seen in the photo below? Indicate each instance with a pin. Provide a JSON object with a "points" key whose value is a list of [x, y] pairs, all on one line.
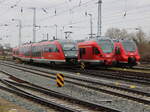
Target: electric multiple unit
{"points": [[126, 52], [98, 51], [56, 51]]}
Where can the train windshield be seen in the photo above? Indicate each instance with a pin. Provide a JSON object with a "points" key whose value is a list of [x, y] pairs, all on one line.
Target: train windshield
{"points": [[68, 46], [106, 45], [129, 46]]}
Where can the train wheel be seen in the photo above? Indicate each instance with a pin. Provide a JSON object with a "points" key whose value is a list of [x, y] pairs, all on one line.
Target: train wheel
{"points": [[52, 64]]}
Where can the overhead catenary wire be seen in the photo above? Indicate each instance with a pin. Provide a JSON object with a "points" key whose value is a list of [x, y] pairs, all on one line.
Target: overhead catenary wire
{"points": [[67, 10], [110, 18]]}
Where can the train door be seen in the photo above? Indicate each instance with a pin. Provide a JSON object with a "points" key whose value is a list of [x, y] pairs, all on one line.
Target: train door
{"points": [[82, 52], [86, 52], [96, 53]]}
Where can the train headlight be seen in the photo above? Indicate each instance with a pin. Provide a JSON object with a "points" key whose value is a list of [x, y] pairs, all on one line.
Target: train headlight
{"points": [[66, 55]]}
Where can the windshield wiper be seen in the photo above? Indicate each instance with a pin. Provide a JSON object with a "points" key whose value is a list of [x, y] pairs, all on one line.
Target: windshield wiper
{"points": [[72, 48]]}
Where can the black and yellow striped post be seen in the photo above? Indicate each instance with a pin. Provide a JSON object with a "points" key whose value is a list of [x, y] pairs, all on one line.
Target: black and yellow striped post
{"points": [[60, 80], [82, 65]]}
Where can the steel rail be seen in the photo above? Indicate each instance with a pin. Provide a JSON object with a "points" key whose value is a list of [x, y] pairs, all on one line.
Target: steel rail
{"points": [[32, 97], [136, 79], [82, 79], [88, 104], [46, 91]]}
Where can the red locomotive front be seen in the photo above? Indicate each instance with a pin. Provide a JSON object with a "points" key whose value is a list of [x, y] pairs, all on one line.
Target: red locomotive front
{"points": [[126, 53], [97, 51]]}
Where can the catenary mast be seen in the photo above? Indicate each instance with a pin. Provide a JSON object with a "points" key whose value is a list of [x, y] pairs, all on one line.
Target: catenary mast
{"points": [[99, 24]]}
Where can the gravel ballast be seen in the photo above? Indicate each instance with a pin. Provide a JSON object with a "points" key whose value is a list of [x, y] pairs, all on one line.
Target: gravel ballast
{"points": [[30, 106], [81, 92]]}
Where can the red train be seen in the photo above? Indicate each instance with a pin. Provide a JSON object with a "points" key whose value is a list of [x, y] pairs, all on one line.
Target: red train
{"points": [[98, 51], [126, 53], [56, 51]]}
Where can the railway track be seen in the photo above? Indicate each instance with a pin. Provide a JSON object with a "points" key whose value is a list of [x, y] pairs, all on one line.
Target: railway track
{"points": [[32, 97], [142, 68], [140, 78], [131, 94], [51, 98], [120, 75]]}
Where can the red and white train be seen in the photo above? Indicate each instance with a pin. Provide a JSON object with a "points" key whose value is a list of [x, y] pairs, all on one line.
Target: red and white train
{"points": [[56, 51], [126, 53], [98, 51]]}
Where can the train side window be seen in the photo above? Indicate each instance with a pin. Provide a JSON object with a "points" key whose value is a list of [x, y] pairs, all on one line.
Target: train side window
{"points": [[96, 51], [46, 49], [54, 48], [50, 50]]}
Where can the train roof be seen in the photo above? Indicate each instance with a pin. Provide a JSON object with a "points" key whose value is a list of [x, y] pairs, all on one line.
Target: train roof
{"points": [[47, 42], [99, 38]]}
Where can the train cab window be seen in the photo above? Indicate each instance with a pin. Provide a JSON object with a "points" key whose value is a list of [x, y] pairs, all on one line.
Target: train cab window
{"points": [[57, 50], [117, 50], [96, 51], [50, 50]]}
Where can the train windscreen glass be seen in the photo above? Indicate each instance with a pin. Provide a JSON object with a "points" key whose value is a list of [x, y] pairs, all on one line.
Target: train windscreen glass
{"points": [[129, 46], [69, 48], [106, 45]]}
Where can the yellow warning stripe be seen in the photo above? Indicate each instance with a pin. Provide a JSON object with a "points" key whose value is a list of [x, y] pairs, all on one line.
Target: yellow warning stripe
{"points": [[61, 78], [59, 82]]}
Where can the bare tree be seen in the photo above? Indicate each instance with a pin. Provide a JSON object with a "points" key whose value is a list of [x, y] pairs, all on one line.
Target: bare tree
{"points": [[116, 33], [139, 37]]}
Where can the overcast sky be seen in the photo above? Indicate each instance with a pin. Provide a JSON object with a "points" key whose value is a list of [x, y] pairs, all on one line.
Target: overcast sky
{"points": [[66, 13]]}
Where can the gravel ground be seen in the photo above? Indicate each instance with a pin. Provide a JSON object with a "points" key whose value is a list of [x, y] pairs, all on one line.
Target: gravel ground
{"points": [[6, 106], [82, 93], [30, 106]]}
